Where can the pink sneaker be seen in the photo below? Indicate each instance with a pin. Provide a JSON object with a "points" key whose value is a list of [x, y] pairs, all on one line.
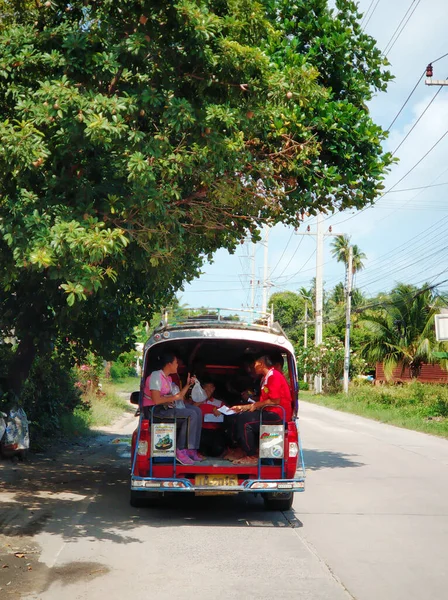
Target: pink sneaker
{"points": [[193, 454], [183, 458]]}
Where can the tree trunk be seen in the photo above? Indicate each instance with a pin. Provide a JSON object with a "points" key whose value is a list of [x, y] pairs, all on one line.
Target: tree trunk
{"points": [[21, 365]]}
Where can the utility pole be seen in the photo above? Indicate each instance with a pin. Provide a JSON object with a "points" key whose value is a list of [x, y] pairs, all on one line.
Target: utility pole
{"points": [[252, 283], [319, 294], [320, 237], [348, 307], [305, 334], [266, 283]]}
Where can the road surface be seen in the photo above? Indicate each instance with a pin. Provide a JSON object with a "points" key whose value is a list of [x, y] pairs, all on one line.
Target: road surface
{"points": [[372, 524]]}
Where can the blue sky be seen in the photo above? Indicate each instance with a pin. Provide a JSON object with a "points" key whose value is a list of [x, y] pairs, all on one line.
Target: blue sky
{"points": [[405, 234]]}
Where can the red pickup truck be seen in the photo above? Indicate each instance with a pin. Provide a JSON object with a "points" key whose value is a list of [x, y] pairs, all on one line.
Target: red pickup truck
{"points": [[220, 348]]}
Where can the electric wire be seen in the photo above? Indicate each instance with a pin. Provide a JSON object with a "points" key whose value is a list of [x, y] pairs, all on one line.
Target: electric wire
{"points": [[384, 259], [386, 51], [422, 258], [364, 17], [421, 187], [395, 252], [301, 270], [372, 13], [397, 182], [283, 253], [413, 90], [293, 256], [406, 203], [417, 121], [397, 28]]}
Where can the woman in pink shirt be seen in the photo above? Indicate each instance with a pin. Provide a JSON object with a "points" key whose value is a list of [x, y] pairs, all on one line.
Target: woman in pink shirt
{"points": [[168, 400]]}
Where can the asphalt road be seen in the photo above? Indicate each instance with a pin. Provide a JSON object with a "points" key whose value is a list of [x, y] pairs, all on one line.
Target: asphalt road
{"points": [[372, 524]]}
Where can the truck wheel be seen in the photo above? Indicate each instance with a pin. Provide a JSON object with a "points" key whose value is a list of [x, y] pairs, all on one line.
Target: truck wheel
{"points": [[140, 499], [278, 500]]}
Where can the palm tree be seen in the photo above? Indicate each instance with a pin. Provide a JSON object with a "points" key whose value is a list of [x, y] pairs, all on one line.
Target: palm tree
{"points": [[402, 332], [340, 249]]}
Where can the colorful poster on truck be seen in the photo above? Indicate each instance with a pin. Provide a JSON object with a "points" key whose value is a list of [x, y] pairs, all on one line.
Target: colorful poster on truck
{"points": [[272, 441], [163, 439]]}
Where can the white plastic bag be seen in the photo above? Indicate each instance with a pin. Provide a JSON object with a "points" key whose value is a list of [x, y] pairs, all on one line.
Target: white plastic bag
{"points": [[197, 393], [175, 390], [17, 435]]}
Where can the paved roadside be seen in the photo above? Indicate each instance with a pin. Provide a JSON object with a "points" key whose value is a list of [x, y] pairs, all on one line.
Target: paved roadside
{"points": [[375, 508]]}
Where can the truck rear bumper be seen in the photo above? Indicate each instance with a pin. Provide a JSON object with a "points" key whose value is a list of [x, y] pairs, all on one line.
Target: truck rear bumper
{"points": [[154, 484]]}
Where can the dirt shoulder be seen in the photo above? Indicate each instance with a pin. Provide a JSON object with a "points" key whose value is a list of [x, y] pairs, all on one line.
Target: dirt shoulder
{"points": [[42, 494]]}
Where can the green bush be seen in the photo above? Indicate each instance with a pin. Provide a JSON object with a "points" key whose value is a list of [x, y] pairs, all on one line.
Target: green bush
{"points": [[119, 371], [303, 385], [124, 366], [438, 408], [49, 395]]}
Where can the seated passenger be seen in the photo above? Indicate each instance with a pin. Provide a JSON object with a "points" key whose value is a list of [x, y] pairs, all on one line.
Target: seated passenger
{"points": [[275, 399], [159, 391], [213, 441], [277, 361]]}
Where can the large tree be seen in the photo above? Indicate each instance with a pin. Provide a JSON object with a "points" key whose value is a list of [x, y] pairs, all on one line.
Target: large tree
{"points": [[138, 137], [340, 250], [401, 330]]}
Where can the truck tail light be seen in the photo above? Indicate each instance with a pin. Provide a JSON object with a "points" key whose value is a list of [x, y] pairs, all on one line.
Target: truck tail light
{"points": [[143, 447], [293, 449]]}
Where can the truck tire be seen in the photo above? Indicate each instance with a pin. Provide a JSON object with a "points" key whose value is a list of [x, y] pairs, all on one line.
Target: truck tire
{"points": [[278, 500]]}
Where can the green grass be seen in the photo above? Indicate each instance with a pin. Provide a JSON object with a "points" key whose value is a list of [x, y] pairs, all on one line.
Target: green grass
{"points": [[98, 410], [128, 384], [421, 407]]}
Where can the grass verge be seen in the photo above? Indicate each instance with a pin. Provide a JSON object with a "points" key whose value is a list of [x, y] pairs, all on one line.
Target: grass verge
{"points": [[417, 406], [96, 411], [128, 385]]}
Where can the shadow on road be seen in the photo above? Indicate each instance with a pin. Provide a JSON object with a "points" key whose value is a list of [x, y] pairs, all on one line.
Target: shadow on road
{"points": [[82, 493], [85, 493], [231, 511], [324, 459]]}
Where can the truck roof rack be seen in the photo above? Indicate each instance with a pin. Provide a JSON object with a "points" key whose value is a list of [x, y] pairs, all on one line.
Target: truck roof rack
{"points": [[218, 317]]}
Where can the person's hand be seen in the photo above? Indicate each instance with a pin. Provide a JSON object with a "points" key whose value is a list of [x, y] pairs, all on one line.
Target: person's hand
{"points": [[216, 412], [245, 395], [191, 380], [241, 408]]}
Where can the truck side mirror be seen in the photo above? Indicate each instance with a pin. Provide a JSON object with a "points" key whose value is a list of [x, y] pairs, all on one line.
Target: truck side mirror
{"points": [[135, 398]]}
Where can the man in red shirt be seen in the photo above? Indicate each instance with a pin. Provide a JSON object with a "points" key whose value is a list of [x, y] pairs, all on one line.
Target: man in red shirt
{"points": [[275, 399]]}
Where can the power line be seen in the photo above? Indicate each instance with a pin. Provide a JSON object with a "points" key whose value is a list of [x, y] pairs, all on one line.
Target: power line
{"points": [[407, 100], [396, 183], [422, 258], [386, 51], [391, 303], [433, 232], [364, 17], [283, 253], [293, 256], [372, 13], [417, 121], [429, 231], [421, 187], [412, 91]]}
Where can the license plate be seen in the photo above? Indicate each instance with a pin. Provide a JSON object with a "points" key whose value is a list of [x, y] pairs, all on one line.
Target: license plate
{"points": [[216, 480]]}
